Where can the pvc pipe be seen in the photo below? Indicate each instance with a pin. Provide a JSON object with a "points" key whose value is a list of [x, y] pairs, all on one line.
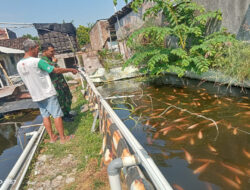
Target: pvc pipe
{"points": [[114, 170], [27, 163], [9, 180]]}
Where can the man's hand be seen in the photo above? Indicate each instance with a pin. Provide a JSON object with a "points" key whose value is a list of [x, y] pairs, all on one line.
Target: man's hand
{"points": [[74, 71], [54, 60]]}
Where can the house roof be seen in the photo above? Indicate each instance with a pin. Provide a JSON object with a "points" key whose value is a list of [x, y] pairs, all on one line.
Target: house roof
{"points": [[13, 43], [10, 50], [125, 10]]}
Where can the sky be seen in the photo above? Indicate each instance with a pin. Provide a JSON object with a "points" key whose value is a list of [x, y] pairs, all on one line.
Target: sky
{"points": [[81, 12]]}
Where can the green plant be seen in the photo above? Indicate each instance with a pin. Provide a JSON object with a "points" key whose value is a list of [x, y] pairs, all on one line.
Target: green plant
{"points": [[82, 33], [235, 61], [184, 44], [110, 59]]}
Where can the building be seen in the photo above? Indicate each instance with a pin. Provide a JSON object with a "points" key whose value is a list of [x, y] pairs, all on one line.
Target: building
{"points": [[63, 38], [8, 60], [13, 43], [5, 33]]}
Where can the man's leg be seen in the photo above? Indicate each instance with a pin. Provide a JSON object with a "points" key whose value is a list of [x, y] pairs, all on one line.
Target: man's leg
{"points": [[59, 127], [47, 125]]}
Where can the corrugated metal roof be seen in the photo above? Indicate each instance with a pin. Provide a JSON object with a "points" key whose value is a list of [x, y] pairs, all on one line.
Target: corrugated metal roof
{"points": [[10, 50]]}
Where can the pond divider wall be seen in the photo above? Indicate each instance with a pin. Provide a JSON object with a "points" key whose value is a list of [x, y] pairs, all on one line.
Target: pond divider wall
{"points": [[118, 142], [214, 82]]}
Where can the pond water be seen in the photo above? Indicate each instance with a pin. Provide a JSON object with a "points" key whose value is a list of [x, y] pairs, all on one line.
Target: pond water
{"points": [[198, 139], [12, 139]]}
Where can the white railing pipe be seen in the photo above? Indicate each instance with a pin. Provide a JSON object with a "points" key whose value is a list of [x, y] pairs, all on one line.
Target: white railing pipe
{"points": [[9, 180]]}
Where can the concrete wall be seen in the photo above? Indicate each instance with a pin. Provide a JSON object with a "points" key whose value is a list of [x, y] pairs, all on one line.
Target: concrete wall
{"points": [[234, 13], [99, 34]]}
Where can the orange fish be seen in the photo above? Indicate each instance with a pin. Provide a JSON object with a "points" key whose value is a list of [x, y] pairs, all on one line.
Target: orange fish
{"points": [[237, 179], [156, 135], [196, 99], [154, 125], [212, 149], [180, 119], [193, 126], [188, 156], [168, 112], [217, 122], [235, 131], [229, 99], [180, 138], [149, 140], [209, 187], [204, 160], [247, 154], [147, 123], [229, 126], [247, 125], [200, 135], [147, 110], [191, 141], [177, 187], [233, 169], [201, 168], [230, 182], [163, 123]]}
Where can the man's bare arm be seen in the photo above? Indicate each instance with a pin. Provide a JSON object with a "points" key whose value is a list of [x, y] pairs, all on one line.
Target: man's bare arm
{"points": [[64, 70]]}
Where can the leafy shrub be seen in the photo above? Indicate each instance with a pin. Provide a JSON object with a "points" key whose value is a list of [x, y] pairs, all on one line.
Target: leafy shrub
{"points": [[186, 43]]}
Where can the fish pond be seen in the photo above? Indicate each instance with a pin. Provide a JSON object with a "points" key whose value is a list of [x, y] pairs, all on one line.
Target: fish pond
{"points": [[200, 140], [12, 139]]}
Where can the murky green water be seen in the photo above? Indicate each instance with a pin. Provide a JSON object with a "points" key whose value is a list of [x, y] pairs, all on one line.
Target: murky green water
{"points": [[198, 140], [12, 140]]}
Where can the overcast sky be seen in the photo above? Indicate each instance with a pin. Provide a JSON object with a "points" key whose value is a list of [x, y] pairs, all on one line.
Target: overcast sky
{"points": [[81, 12]]}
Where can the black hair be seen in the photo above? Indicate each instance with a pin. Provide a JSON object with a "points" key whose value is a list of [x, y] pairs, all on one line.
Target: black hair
{"points": [[45, 46]]}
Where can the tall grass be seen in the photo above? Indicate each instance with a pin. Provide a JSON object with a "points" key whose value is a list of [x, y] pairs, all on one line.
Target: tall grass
{"points": [[236, 61]]}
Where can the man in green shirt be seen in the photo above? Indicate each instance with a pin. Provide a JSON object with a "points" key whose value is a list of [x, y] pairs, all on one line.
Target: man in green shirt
{"points": [[63, 92]]}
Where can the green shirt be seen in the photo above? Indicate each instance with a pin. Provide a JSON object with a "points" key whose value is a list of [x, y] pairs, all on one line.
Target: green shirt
{"points": [[43, 65]]}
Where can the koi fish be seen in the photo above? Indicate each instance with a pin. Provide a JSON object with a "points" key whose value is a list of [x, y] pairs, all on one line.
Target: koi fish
{"points": [[209, 187], [156, 135], [193, 126], [229, 126], [147, 123], [163, 123], [182, 94], [168, 112], [198, 104], [233, 169], [180, 138], [237, 179], [247, 154], [235, 131], [204, 98], [229, 99], [212, 149], [160, 109], [230, 182], [247, 125], [147, 110], [154, 125], [180, 119], [149, 140], [242, 104], [191, 141], [181, 126], [196, 99], [208, 110], [217, 122], [188, 156], [174, 90], [200, 135], [177, 187], [201, 168], [204, 160]]}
